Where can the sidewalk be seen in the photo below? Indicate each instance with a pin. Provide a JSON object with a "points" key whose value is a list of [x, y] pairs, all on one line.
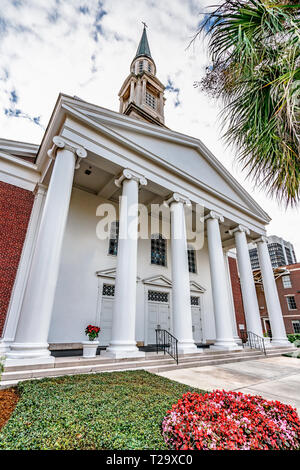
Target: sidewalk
{"points": [[276, 378]]}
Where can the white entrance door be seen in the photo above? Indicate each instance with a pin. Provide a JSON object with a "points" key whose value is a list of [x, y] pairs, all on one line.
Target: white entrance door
{"points": [[158, 313], [196, 319], [108, 293]]}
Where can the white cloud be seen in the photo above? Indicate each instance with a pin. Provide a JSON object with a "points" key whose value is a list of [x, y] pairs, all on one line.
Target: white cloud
{"points": [[51, 47]]}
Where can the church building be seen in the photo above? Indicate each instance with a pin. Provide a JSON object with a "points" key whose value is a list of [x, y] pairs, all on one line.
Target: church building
{"points": [[60, 274]]}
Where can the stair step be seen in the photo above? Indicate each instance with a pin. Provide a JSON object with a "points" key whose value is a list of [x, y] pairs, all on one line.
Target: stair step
{"points": [[79, 360], [156, 364]]}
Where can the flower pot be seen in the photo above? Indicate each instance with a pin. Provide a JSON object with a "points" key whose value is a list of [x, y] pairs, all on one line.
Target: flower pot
{"points": [[90, 348]]}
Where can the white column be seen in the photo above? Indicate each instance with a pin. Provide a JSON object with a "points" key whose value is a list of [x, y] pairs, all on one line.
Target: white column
{"points": [[224, 333], [181, 296], [143, 100], [139, 93], [32, 331], [131, 91], [121, 104], [17, 294], [250, 302], [123, 343], [279, 337]]}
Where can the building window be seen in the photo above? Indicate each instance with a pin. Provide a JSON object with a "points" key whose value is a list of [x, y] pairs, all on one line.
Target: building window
{"points": [[291, 302], [113, 241], [254, 258], [149, 67], [195, 300], [156, 296], [288, 255], [276, 254], [150, 100], [286, 281], [158, 250], [296, 326], [192, 259], [140, 66], [108, 290]]}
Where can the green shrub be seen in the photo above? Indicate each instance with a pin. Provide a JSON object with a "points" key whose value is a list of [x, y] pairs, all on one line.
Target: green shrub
{"points": [[117, 410], [294, 337]]}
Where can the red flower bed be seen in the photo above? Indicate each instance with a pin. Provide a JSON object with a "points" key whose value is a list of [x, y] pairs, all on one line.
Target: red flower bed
{"points": [[230, 420]]}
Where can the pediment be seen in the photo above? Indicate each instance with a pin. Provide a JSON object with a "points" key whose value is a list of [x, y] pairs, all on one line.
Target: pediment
{"points": [[109, 274], [160, 281], [195, 287], [180, 153]]}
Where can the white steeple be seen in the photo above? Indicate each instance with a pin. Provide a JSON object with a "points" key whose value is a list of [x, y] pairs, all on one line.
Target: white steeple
{"points": [[142, 94]]}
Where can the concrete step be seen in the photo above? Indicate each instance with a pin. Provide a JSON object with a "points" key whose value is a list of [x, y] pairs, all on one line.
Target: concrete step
{"points": [[159, 363], [79, 360]]}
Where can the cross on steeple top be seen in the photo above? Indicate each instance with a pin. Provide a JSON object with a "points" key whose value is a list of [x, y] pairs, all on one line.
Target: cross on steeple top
{"points": [[145, 25]]}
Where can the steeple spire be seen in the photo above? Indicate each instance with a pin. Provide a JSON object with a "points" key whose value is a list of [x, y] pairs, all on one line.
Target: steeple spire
{"points": [[143, 48], [142, 94]]}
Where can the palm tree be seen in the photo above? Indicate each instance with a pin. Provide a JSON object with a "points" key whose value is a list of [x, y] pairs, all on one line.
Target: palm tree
{"points": [[254, 48]]}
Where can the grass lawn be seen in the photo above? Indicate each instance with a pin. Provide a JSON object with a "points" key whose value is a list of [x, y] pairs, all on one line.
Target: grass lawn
{"points": [[118, 410]]}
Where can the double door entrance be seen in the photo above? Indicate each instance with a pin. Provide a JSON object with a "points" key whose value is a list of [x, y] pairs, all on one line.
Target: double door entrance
{"points": [[159, 315]]}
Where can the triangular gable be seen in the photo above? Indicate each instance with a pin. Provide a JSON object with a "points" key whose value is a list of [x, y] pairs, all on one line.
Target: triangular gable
{"points": [[160, 281], [109, 274], [195, 287], [186, 154]]}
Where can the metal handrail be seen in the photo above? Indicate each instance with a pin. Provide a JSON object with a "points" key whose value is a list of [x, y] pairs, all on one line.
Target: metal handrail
{"points": [[254, 341], [166, 342]]}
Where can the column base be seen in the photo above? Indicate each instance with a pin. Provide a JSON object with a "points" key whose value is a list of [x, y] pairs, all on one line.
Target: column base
{"points": [[28, 353], [188, 347], [4, 347], [225, 346], [122, 351], [237, 340], [281, 342]]}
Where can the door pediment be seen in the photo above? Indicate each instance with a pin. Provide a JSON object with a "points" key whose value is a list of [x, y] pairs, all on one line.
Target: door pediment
{"points": [[107, 273], [195, 287], [160, 281], [163, 281]]}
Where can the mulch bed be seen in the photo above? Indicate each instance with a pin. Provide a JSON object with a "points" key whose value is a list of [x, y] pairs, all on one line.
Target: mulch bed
{"points": [[8, 401]]}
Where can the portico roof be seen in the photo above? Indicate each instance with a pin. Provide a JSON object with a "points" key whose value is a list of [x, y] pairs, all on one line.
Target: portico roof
{"points": [[177, 157]]}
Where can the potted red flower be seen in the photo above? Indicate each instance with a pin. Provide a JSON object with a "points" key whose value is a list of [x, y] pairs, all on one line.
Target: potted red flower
{"points": [[90, 347]]}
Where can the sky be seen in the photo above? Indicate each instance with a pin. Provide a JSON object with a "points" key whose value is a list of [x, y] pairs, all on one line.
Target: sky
{"points": [[85, 47]]}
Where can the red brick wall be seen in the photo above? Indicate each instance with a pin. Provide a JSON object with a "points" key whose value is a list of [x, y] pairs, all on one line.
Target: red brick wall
{"points": [[15, 209], [288, 315], [237, 294]]}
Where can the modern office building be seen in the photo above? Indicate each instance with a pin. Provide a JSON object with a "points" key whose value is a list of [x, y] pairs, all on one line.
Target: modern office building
{"points": [[282, 253]]}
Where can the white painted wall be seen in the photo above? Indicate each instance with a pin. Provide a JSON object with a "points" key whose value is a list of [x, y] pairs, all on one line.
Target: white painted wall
{"points": [[77, 303]]}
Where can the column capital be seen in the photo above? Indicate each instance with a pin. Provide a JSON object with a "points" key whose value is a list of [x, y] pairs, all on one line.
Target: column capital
{"points": [[176, 197], [239, 228], [128, 174], [214, 215], [59, 143], [262, 239]]}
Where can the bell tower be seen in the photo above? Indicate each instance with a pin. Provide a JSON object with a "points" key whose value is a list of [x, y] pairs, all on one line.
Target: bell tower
{"points": [[142, 94]]}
